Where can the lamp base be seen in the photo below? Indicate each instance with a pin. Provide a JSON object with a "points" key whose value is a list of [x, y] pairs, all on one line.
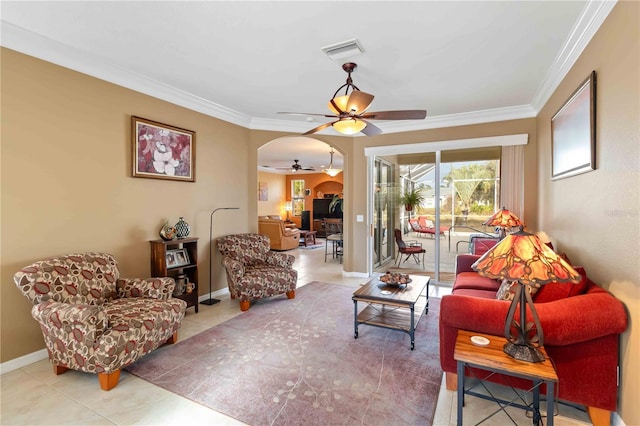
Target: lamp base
{"points": [[523, 352], [209, 302]]}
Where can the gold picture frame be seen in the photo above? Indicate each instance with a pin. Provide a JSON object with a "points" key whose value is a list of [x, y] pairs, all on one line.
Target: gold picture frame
{"points": [[161, 151]]}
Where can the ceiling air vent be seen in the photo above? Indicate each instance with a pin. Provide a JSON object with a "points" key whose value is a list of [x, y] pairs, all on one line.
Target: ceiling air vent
{"points": [[344, 49]]}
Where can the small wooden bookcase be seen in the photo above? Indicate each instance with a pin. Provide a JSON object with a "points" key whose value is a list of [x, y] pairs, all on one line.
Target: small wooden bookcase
{"points": [[159, 268]]}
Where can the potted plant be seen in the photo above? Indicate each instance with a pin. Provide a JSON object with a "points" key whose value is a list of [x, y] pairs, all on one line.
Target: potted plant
{"points": [[411, 198], [335, 204]]}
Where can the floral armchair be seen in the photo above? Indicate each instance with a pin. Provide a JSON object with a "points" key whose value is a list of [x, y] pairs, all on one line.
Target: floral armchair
{"points": [[94, 321], [254, 272]]}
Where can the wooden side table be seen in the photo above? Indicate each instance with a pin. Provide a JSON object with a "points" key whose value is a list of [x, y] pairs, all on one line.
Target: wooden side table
{"points": [[492, 358], [307, 236]]}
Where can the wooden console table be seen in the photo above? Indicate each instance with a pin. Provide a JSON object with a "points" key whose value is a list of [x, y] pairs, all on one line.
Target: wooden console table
{"points": [[492, 358]]}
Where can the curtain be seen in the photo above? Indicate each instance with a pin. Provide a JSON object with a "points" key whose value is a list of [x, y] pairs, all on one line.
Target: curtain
{"points": [[512, 180]]}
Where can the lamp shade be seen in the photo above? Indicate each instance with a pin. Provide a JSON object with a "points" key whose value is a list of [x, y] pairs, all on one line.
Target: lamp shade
{"points": [[503, 218], [341, 102], [349, 126], [523, 257], [330, 170]]}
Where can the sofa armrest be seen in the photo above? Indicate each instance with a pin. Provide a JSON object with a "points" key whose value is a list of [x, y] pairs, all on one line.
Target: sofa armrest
{"points": [[156, 288], [85, 322], [464, 262], [280, 259], [581, 318]]}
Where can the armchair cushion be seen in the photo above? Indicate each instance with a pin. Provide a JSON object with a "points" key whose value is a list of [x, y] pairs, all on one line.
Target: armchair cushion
{"points": [[157, 288]]}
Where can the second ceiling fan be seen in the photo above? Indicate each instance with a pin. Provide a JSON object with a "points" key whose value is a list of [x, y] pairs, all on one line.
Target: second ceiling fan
{"points": [[350, 110]]}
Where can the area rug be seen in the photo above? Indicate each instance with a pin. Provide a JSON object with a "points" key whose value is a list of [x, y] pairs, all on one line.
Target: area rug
{"points": [[292, 362]]}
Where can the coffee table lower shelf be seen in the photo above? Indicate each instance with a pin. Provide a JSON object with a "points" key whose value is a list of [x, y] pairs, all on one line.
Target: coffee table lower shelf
{"points": [[393, 316]]}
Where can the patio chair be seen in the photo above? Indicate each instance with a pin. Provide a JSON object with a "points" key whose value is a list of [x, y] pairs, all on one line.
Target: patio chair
{"points": [[410, 248]]}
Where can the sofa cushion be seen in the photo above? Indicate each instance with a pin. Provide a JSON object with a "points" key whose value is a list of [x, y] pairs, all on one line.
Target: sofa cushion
{"points": [[473, 280], [485, 294]]}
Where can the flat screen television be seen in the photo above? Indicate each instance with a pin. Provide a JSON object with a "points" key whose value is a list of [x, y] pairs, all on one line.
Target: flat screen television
{"points": [[321, 209]]}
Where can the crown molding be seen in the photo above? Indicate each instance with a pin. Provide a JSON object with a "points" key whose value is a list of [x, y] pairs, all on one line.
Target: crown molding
{"points": [[30, 43], [592, 17]]}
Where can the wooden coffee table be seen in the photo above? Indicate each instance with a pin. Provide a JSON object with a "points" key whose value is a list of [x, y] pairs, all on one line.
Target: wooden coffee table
{"points": [[398, 308]]}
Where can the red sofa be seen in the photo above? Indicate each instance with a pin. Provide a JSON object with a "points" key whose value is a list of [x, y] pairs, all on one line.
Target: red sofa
{"points": [[581, 325]]}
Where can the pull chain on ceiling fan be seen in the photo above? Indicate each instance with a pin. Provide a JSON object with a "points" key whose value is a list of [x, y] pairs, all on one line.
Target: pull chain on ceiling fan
{"points": [[350, 110]]}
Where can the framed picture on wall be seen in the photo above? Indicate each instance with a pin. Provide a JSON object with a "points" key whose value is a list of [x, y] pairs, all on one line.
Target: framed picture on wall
{"points": [[573, 133], [298, 206], [263, 191], [161, 151], [297, 188]]}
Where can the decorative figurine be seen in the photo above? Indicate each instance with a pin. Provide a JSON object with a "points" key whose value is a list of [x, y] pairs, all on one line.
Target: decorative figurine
{"points": [[167, 232]]}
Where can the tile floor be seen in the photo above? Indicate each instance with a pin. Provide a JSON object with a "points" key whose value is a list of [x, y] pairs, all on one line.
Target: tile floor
{"points": [[33, 395]]}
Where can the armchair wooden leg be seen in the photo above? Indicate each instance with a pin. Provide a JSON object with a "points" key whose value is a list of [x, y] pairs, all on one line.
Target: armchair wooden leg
{"points": [[173, 339], [244, 305], [59, 369], [451, 381], [109, 381], [599, 416], [291, 294]]}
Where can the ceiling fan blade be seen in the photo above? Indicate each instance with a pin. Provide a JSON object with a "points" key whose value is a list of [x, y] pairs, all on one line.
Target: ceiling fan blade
{"points": [[358, 102], [410, 114], [308, 113], [317, 129], [371, 130]]}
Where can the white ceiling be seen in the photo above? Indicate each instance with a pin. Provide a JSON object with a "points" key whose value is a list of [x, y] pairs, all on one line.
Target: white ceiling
{"points": [[241, 61]]}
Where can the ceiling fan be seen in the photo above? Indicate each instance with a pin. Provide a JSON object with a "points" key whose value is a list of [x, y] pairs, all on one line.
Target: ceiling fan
{"points": [[350, 110], [295, 167]]}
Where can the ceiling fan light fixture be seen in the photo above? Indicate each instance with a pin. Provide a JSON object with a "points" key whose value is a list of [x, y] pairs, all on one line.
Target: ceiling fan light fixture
{"points": [[349, 126], [331, 171], [341, 102]]}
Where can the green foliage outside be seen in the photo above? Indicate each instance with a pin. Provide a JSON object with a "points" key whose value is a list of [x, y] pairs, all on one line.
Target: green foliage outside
{"points": [[475, 187]]}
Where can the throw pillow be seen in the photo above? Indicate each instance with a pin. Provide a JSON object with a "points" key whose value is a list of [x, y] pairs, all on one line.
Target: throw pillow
{"points": [[507, 290], [581, 287], [556, 291]]}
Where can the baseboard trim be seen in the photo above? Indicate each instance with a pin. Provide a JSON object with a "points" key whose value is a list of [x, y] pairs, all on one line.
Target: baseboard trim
{"points": [[355, 274], [23, 361], [214, 295], [616, 420]]}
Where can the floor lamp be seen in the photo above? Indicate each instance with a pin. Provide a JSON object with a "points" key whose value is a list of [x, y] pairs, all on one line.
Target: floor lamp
{"points": [[212, 301]]}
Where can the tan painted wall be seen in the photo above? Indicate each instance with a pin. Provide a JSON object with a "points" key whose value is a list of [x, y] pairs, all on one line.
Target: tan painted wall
{"points": [[595, 217], [66, 185], [277, 194]]}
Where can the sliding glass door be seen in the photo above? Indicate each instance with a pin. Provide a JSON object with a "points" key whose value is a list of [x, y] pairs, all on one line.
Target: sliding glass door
{"points": [[383, 212], [460, 190]]}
